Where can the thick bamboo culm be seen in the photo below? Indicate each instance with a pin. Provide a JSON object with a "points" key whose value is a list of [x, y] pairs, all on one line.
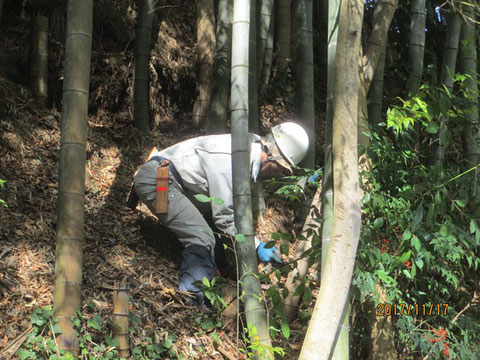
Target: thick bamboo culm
{"points": [[120, 318], [141, 95], [1, 10], [205, 59], [39, 60]]}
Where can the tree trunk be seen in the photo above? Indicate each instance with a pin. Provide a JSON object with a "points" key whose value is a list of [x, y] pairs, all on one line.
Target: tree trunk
{"points": [[267, 59], [327, 183], [39, 4], [297, 277], [264, 21], [248, 274], [293, 29], [375, 96], [221, 68], [1, 11], [376, 42], [450, 52], [337, 275], [305, 108], [39, 60], [258, 202], [362, 112], [258, 197], [382, 344], [322, 31], [141, 97], [371, 72], [342, 346], [252, 72], [283, 32], [468, 65], [304, 76], [71, 188], [417, 45], [205, 59], [378, 38]]}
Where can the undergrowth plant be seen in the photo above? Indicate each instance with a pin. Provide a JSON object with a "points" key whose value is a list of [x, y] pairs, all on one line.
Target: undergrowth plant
{"points": [[93, 345], [421, 232], [2, 185]]}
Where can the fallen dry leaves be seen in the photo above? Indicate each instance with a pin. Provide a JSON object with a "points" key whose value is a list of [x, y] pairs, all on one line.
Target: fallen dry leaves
{"points": [[119, 243]]}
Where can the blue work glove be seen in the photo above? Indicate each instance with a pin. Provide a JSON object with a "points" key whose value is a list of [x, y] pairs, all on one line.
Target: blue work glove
{"points": [[315, 175], [268, 255]]}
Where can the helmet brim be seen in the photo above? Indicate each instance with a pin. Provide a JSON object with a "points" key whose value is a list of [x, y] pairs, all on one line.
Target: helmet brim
{"points": [[280, 159]]}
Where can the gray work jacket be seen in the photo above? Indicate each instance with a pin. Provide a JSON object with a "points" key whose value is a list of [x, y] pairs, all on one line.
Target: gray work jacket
{"points": [[205, 166]]}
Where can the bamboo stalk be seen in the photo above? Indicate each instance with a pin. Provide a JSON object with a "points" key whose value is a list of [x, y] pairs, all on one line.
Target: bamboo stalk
{"points": [[268, 55], [295, 277], [120, 318], [283, 31], [467, 59], [255, 313], [332, 300], [450, 53], [264, 21], [39, 60], [221, 68], [205, 59], [1, 10], [417, 45], [71, 186], [141, 97]]}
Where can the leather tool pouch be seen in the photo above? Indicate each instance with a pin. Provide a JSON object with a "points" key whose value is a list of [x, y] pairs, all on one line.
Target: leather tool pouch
{"points": [[161, 201]]}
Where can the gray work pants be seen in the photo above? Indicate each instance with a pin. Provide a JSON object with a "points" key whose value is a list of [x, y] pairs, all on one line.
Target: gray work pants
{"points": [[186, 221]]}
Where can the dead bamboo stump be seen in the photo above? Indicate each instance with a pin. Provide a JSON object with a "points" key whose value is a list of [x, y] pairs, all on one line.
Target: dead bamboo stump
{"points": [[120, 318]]}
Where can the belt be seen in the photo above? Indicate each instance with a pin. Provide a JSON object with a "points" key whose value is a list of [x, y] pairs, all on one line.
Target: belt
{"points": [[171, 168]]}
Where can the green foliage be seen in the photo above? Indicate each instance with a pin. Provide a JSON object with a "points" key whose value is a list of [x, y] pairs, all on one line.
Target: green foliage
{"points": [[213, 291], [148, 349], [277, 292], [204, 198], [420, 239], [2, 185], [211, 323], [430, 108], [41, 342], [296, 187], [255, 349]]}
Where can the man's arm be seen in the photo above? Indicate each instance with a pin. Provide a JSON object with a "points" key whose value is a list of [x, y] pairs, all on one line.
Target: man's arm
{"points": [[220, 187]]}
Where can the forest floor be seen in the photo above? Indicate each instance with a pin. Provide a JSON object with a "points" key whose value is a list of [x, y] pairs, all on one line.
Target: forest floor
{"points": [[119, 243]]}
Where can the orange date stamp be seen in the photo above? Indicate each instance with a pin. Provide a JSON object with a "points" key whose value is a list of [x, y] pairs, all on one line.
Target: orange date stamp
{"points": [[386, 309]]}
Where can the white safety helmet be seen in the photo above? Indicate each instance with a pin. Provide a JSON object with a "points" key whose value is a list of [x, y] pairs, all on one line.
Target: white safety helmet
{"points": [[292, 141]]}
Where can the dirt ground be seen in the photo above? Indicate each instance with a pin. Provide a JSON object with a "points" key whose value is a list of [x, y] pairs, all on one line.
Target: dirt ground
{"points": [[119, 243]]}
